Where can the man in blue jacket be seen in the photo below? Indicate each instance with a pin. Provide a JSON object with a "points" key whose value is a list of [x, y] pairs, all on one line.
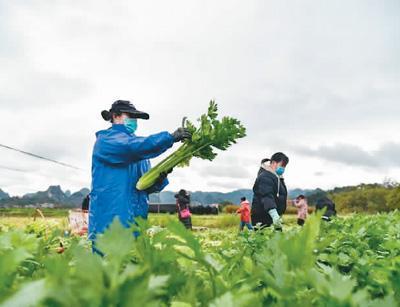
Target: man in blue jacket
{"points": [[119, 159]]}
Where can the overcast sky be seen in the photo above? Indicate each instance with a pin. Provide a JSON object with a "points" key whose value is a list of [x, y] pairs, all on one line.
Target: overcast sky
{"points": [[318, 80]]}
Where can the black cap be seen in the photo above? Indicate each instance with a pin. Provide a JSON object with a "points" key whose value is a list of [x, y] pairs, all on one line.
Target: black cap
{"points": [[182, 193], [124, 106]]}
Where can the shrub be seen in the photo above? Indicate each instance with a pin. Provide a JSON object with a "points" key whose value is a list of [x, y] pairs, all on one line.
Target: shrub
{"points": [[231, 208]]}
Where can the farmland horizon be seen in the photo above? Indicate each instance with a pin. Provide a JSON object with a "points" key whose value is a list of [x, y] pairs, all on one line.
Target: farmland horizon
{"points": [[69, 191]]}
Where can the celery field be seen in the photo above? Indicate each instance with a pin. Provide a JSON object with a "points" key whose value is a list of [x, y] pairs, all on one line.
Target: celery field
{"points": [[352, 261]]}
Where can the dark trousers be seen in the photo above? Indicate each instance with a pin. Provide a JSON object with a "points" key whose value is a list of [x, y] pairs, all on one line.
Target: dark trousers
{"points": [[187, 222], [247, 224]]}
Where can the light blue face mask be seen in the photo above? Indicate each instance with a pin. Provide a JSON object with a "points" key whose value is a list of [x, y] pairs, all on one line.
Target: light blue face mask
{"points": [[131, 124], [280, 170]]}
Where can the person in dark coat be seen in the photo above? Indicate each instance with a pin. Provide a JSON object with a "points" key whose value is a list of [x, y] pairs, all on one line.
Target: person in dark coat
{"points": [[270, 192], [323, 203], [85, 203], [182, 204]]}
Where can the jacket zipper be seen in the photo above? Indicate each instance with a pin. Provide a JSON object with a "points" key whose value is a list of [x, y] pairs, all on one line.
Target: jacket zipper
{"points": [[279, 186]]}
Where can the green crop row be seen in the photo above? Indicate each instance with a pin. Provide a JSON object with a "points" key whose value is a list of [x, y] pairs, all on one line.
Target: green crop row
{"points": [[348, 262]]}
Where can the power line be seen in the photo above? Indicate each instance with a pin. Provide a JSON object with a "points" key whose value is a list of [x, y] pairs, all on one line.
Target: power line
{"points": [[40, 157], [12, 169]]}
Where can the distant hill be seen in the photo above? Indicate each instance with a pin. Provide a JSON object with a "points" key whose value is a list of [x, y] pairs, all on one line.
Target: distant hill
{"points": [[360, 198], [3, 195], [232, 197], [52, 197], [77, 197]]}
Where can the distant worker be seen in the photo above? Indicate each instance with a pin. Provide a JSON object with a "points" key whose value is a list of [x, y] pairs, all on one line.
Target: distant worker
{"points": [[302, 209], [244, 212], [182, 204], [270, 193], [85, 203], [328, 205]]}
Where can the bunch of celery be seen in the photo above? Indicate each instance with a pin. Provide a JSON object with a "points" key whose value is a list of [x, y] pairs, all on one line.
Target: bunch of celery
{"points": [[212, 133]]}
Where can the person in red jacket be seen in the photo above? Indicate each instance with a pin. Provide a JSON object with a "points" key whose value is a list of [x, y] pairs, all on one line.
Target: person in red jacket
{"points": [[244, 211]]}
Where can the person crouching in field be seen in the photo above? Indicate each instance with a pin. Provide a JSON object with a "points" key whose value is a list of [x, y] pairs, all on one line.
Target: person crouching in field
{"points": [[328, 205], [244, 211], [182, 204], [302, 209]]}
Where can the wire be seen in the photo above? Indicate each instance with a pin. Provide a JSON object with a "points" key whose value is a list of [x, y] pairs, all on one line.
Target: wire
{"points": [[13, 169], [40, 157]]}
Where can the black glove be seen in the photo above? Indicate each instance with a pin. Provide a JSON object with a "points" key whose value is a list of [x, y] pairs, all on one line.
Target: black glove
{"points": [[181, 134], [154, 188], [164, 175]]}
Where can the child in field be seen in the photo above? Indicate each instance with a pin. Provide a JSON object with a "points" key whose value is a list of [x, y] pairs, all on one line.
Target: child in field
{"points": [[244, 211], [302, 209]]}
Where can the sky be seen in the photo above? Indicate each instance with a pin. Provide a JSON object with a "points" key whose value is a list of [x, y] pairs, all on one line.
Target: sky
{"points": [[318, 80]]}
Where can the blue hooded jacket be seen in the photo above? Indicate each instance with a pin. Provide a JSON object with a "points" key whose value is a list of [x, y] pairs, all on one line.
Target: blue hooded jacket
{"points": [[119, 160]]}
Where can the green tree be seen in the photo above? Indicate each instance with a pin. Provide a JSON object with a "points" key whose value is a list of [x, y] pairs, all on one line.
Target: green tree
{"points": [[394, 199]]}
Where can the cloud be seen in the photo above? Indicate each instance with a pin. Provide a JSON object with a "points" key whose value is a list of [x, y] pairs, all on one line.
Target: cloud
{"points": [[215, 185], [388, 155], [13, 169], [224, 171], [297, 76], [51, 148], [29, 89]]}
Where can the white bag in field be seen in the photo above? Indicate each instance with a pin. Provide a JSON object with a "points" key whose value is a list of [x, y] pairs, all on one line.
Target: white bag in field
{"points": [[78, 221]]}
